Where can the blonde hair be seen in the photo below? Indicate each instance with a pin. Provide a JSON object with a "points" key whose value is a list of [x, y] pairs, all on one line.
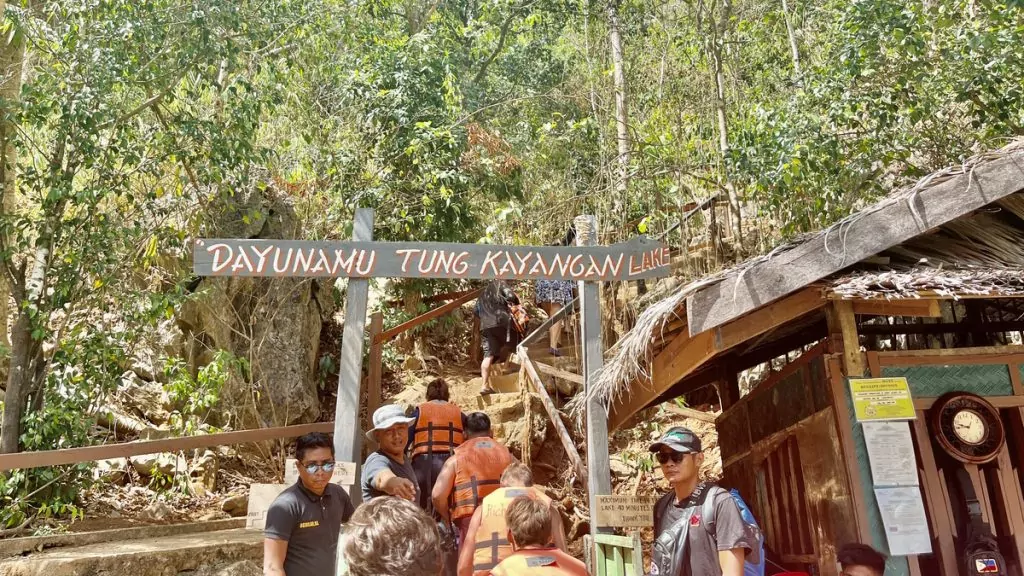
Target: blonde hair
{"points": [[388, 536], [517, 472], [529, 521]]}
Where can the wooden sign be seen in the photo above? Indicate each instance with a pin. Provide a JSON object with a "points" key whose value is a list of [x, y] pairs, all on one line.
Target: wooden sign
{"points": [[625, 511], [261, 496], [344, 473], [633, 260]]}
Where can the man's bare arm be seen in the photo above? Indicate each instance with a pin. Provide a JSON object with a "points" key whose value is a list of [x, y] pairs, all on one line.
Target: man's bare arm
{"points": [[274, 553], [386, 481], [731, 561], [443, 489], [465, 567]]}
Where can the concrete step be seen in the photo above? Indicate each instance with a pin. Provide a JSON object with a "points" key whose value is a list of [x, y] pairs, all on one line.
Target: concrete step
{"points": [[164, 556]]}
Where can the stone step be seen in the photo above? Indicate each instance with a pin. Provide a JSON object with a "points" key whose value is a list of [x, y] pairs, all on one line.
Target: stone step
{"points": [[164, 556]]}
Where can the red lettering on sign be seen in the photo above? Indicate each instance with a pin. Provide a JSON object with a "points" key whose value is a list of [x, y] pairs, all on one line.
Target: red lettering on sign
{"points": [[302, 261], [241, 262], [423, 258], [323, 263], [578, 268]]}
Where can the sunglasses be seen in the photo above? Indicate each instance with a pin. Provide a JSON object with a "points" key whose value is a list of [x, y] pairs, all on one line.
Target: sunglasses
{"points": [[664, 457], [312, 467]]}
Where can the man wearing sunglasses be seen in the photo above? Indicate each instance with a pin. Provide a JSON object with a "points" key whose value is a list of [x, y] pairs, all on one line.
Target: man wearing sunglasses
{"points": [[304, 522], [686, 543]]}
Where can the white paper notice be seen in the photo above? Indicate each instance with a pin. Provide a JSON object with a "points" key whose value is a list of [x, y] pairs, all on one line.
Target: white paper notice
{"points": [[906, 526], [891, 453]]}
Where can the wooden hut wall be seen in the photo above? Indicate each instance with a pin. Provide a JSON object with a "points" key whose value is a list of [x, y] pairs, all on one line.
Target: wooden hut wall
{"points": [[995, 373], [781, 449]]}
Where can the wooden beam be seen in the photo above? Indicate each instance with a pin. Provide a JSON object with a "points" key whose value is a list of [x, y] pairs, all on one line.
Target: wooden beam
{"points": [[926, 402], [554, 415], [599, 479], [374, 371], [446, 296], [846, 323], [558, 373], [916, 308], [937, 510], [769, 317], [992, 351], [428, 316], [691, 413], [943, 327], [871, 232], [23, 460], [348, 435], [685, 354], [844, 425], [669, 367]]}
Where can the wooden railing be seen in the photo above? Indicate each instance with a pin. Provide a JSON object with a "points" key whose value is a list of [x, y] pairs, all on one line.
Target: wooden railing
{"points": [[41, 458]]}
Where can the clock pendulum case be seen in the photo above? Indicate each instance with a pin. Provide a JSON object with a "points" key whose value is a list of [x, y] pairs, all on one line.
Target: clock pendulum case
{"points": [[969, 429]]}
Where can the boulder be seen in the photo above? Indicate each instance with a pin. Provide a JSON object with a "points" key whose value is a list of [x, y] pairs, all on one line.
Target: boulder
{"points": [[151, 352], [204, 471], [281, 317], [164, 464], [157, 511], [619, 467], [111, 471], [235, 504], [145, 399]]}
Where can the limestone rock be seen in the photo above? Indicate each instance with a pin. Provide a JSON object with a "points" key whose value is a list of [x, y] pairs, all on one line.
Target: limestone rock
{"points": [[618, 467], [242, 568], [150, 353], [204, 470], [282, 317], [146, 399], [112, 471], [235, 504], [163, 464], [412, 364], [158, 511]]}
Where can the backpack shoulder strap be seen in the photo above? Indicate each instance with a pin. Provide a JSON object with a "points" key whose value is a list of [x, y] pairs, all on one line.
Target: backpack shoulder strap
{"points": [[707, 511], [660, 508]]}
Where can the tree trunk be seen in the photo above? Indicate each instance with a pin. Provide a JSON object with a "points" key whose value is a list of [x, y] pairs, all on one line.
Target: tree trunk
{"points": [[12, 57], [621, 111], [718, 70], [793, 48]]}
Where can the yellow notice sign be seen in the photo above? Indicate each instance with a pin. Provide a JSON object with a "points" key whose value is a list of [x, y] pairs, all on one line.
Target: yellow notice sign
{"points": [[882, 399], [625, 511]]}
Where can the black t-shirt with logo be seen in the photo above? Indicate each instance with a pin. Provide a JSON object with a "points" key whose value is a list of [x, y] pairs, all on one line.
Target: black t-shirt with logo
{"points": [[311, 524], [730, 531]]}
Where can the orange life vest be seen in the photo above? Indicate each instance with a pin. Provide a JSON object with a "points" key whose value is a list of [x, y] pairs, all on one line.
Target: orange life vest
{"points": [[540, 562], [438, 428], [492, 545], [479, 463]]}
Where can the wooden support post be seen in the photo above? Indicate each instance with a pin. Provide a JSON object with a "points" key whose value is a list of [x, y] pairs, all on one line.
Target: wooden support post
{"points": [[843, 318], [599, 480], [374, 371], [728, 382], [347, 433]]}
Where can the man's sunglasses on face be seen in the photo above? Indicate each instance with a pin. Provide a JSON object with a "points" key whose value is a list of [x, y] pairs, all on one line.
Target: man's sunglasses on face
{"points": [[664, 457], [312, 467]]}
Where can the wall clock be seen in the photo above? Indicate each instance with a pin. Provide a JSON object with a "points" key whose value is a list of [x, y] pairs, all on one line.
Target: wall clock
{"points": [[968, 427]]}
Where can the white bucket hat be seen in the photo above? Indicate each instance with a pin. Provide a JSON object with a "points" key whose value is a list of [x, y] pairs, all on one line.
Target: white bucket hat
{"points": [[385, 417]]}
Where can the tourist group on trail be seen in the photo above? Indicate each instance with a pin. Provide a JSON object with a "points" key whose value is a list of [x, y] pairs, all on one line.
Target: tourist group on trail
{"points": [[443, 497]]}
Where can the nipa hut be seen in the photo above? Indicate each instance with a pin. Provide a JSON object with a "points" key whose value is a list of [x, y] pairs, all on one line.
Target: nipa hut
{"points": [[925, 285]]}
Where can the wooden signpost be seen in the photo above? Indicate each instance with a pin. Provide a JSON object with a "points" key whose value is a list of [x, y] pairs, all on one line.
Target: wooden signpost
{"points": [[360, 259], [625, 511]]}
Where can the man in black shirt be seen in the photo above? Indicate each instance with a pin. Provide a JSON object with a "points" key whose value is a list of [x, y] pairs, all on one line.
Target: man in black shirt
{"points": [[304, 522], [686, 543]]}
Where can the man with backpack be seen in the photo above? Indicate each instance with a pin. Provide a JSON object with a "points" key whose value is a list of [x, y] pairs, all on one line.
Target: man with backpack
{"points": [[700, 528]]}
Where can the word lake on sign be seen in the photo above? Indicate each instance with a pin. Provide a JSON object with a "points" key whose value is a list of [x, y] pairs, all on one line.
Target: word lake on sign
{"points": [[639, 258]]}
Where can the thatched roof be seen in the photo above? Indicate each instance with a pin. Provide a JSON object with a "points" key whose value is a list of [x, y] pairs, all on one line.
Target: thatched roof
{"points": [[976, 251]]}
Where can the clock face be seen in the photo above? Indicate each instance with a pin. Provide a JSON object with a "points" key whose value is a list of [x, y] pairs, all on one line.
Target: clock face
{"points": [[969, 427]]}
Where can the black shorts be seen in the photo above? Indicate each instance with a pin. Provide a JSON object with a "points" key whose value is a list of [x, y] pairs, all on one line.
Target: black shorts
{"points": [[493, 340]]}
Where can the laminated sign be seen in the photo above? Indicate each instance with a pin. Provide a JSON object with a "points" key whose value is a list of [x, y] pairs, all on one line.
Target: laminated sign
{"points": [[625, 511], [882, 399]]}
